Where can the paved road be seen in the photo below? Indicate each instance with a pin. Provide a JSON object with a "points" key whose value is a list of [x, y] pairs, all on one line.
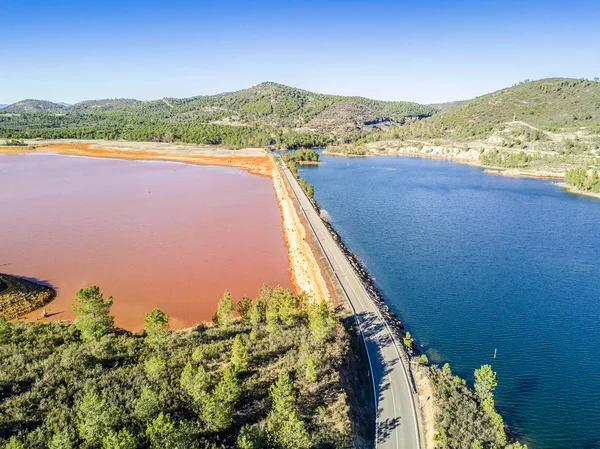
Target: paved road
{"points": [[396, 414]]}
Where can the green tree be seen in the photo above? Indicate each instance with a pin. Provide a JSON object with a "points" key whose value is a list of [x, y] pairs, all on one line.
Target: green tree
{"points": [[446, 369], [61, 440], [14, 443], [218, 406], [148, 405], [195, 381], [5, 331], [285, 429], [155, 368], [94, 419], [408, 341], [272, 310], [249, 438], [93, 319], [121, 440], [226, 310], [322, 322], [288, 307], [311, 369], [164, 433], [239, 354], [485, 381], [243, 308], [257, 312], [156, 325]]}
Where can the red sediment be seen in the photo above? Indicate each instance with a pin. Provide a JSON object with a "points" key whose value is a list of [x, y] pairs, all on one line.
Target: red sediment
{"points": [[151, 235]]}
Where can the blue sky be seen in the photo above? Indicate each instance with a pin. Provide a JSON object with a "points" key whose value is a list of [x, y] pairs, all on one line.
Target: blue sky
{"points": [[64, 50]]}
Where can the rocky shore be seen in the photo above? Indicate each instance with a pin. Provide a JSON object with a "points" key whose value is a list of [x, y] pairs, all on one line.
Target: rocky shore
{"points": [[19, 296]]}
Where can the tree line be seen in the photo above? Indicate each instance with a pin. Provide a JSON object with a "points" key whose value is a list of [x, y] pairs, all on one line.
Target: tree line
{"points": [[265, 375]]}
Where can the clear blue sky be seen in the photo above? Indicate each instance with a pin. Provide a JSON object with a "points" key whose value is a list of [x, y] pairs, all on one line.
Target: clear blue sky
{"points": [[64, 50]]}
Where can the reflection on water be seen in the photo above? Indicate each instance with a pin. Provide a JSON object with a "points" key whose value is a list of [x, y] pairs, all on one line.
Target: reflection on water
{"points": [[151, 234]]}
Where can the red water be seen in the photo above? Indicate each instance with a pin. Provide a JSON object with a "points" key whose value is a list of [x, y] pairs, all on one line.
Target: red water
{"points": [[150, 234]]}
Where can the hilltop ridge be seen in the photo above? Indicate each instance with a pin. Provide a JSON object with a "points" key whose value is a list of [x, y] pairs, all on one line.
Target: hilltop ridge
{"points": [[267, 104]]}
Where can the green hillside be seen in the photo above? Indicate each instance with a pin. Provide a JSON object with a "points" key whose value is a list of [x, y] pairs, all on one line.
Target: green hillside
{"points": [[552, 104], [104, 105], [30, 106], [266, 114]]}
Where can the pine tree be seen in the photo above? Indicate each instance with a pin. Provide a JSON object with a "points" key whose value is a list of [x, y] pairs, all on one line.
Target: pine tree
{"points": [[61, 440], [257, 312], [218, 406], [322, 322], [148, 405], [93, 320], [156, 325], [311, 369], [485, 381], [243, 308], [226, 310], [121, 440], [14, 443], [284, 426], [288, 307], [239, 354], [94, 420], [408, 341], [195, 381]]}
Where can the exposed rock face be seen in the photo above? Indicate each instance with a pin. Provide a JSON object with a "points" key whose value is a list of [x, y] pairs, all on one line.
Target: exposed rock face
{"points": [[19, 296]]}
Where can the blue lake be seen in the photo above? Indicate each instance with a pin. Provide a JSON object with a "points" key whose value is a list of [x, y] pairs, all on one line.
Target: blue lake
{"points": [[473, 262]]}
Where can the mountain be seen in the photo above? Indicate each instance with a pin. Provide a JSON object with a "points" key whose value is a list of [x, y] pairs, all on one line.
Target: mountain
{"points": [[267, 104], [104, 105], [30, 106], [447, 105], [2, 106], [551, 103]]}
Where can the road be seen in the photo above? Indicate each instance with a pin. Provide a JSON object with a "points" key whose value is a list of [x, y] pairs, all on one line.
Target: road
{"points": [[396, 413]]}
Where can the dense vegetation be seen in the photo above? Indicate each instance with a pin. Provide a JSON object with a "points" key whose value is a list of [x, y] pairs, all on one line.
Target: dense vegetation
{"points": [[292, 159], [270, 379], [267, 114], [468, 418], [584, 180], [551, 104]]}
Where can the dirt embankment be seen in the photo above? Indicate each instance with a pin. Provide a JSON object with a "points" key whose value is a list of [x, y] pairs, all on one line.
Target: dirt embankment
{"points": [[305, 271]]}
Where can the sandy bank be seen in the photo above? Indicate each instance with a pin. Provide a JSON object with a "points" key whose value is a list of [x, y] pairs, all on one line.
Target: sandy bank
{"points": [[516, 173], [253, 160], [305, 271], [572, 189]]}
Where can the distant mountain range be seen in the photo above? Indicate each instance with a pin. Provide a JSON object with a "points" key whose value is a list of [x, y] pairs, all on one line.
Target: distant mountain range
{"points": [[267, 104], [270, 111]]}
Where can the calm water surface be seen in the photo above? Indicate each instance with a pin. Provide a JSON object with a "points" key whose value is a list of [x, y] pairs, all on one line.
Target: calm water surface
{"points": [[473, 262], [151, 234]]}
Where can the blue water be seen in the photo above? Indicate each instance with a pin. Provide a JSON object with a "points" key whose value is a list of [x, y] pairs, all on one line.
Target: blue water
{"points": [[473, 262]]}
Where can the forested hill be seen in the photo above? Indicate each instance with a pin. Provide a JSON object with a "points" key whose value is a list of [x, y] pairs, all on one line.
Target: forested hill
{"points": [[31, 106], [265, 114], [552, 104]]}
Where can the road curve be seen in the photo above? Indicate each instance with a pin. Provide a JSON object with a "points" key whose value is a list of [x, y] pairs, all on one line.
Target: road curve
{"points": [[397, 425]]}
